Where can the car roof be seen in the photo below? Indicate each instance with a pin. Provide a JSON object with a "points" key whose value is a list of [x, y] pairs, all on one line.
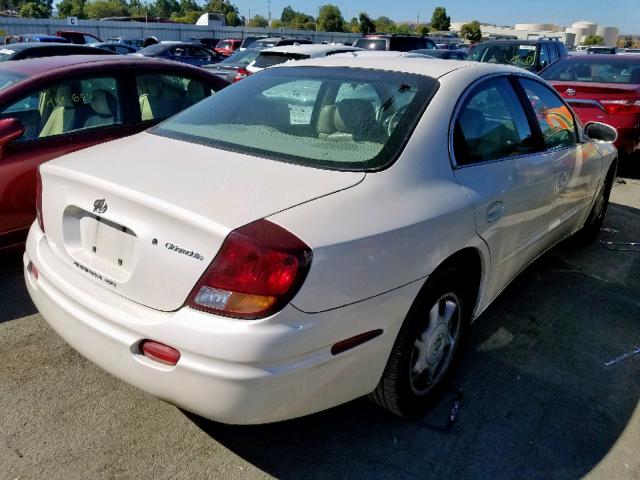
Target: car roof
{"points": [[29, 45], [602, 58], [34, 66], [310, 49], [417, 64]]}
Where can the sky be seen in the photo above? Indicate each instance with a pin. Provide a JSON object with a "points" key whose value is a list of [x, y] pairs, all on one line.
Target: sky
{"points": [[624, 14]]}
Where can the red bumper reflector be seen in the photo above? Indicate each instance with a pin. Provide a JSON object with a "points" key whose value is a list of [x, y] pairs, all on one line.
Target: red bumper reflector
{"points": [[352, 342], [159, 352], [34, 271]]}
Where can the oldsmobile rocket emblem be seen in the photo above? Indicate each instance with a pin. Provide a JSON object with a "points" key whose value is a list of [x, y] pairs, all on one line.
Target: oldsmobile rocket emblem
{"points": [[100, 206]]}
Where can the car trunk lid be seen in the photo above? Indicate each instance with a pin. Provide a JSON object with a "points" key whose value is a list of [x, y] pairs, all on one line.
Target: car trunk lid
{"points": [[146, 215]]}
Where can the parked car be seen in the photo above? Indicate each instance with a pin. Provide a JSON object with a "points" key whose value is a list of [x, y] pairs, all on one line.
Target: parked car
{"points": [[117, 48], [446, 54], [394, 42], [602, 88], [56, 105], [277, 55], [21, 51], [234, 68], [136, 42], [247, 41], [185, 52], [532, 55], [208, 42], [228, 46], [269, 42], [40, 37], [79, 38], [602, 50], [251, 268]]}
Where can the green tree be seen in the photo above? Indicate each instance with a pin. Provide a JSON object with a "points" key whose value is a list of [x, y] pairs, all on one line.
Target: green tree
{"points": [[354, 25], [593, 40], [36, 9], [288, 15], [471, 31], [166, 8], [424, 30], [330, 19], [71, 8], [440, 21], [105, 8], [366, 24], [276, 23], [258, 21], [229, 10], [190, 16], [385, 25]]}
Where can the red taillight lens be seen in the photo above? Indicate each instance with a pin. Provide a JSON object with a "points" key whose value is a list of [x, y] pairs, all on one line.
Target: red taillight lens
{"points": [[613, 107], [39, 200], [159, 352], [241, 74], [258, 269]]}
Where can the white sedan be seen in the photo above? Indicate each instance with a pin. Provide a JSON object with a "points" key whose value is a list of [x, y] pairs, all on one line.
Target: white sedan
{"points": [[251, 268]]}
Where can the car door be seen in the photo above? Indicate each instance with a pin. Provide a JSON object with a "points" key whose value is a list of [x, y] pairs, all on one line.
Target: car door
{"points": [[578, 166], [500, 166], [59, 118]]}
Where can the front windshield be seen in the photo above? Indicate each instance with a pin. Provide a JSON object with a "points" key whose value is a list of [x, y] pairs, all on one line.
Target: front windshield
{"points": [[371, 43], [243, 58], [6, 54], [9, 78], [520, 55], [329, 117]]}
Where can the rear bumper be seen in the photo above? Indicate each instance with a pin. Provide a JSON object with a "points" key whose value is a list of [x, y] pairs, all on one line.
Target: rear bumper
{"points": [[232, 371]]}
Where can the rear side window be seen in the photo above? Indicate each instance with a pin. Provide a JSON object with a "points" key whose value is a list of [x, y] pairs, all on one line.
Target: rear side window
{"points": [[161, 96], [491, 125], [268, 59], [554, 117], [598, 71], [553, 53], [406, 44]]}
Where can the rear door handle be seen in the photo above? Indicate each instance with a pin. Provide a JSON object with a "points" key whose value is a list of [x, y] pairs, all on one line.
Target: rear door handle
{"points": [[563, 180], [495, 211]]}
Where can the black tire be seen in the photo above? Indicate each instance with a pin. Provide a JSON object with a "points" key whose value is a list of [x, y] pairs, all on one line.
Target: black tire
{"points": [[401, 389], [589, 232]]}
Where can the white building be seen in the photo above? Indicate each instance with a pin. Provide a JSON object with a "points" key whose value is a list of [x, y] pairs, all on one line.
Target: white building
{"points": [[571, 36]]}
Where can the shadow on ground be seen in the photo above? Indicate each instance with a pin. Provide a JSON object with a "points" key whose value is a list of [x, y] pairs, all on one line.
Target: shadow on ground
{"points": [[538, 400], [14, 300]]}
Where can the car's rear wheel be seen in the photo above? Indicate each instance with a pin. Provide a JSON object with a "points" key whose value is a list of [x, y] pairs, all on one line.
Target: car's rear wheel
{"points": [[427, 346], [592, 226]]}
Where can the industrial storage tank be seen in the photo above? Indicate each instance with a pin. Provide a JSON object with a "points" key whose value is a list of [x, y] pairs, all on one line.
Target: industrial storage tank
{"points": [[542, 27], [579, 34], [589, 27], [569, 39], [609, 34]]}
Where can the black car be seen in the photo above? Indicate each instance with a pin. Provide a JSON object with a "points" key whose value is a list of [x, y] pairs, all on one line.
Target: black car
{"points": [[117, 48], [20, 51], [394, 42], [185, 52], [446, 54], [533, 55]]}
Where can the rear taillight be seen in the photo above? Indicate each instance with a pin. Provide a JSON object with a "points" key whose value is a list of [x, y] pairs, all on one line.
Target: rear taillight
{"points": [[39, 200], [241, 74], [613, 107], [257, 271]]}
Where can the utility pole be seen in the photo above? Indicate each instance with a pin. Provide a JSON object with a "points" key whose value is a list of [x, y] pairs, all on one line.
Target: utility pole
{"points": [[417, 21], [269, 10]]}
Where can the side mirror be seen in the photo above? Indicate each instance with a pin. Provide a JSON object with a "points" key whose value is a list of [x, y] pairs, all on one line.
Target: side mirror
{"points": [[600, 132], [10, 129]]}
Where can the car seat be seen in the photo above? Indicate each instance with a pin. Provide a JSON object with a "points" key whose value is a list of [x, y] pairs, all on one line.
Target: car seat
{"points": [[104, 109], [63, 116], [358, 118], [153, 104]]}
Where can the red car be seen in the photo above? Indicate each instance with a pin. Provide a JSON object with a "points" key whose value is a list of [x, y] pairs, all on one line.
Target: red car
{"points": [[79, 38], [228, 46], [602, 88], [56, 105]]}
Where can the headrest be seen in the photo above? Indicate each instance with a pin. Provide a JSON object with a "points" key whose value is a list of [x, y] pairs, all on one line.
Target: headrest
{"points": [[582, 71], [195, 90], [325, 119], [358, 117], [635, 75], [64, 97], [103, 102], [152, 86], [472, 123]]}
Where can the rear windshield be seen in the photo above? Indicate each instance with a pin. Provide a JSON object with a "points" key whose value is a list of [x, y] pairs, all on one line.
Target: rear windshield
{"points": [[9, 78], [269, 59], [328, 117], [597, 71], [6, 54], [371, 43], [241, 58], [264, 43], [520, 55]]}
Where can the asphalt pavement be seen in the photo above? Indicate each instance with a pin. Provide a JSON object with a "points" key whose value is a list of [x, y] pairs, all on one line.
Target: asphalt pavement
{"points": [[546, 393]]}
